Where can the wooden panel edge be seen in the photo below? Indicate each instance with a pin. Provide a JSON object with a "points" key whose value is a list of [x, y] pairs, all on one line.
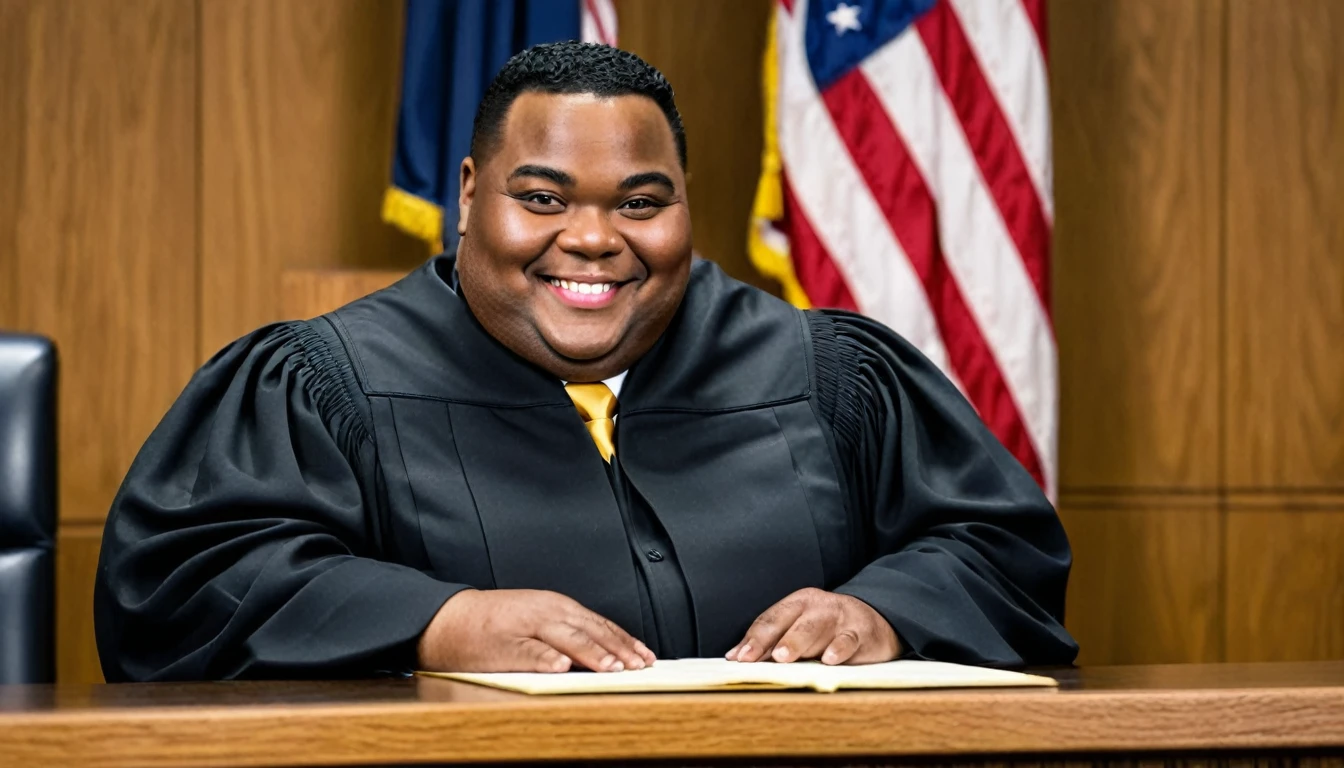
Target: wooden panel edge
{"points": [[1304, 500], [1137, 498]]}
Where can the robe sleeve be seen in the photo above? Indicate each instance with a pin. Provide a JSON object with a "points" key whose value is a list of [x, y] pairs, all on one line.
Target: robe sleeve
{"points": [[965, 557], [243, 542]]}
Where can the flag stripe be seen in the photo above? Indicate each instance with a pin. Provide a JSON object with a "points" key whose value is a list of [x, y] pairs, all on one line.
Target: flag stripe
{"points": [[599, 22], [1004, 44], [815, 268], [979, 251], [841, 210], [900, 191], [991, 141], [1036, 12]]}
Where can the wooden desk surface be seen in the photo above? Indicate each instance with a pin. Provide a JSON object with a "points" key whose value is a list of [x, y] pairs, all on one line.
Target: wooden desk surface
{"points": [[1155, 710]]}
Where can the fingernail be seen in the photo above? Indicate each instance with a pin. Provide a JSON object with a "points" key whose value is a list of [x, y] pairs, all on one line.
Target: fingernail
{"points": [[781, 654], [637, 664], [828, 657], [607, 661], [729, 655], [618, 667], [562, 663], [742, 654]]}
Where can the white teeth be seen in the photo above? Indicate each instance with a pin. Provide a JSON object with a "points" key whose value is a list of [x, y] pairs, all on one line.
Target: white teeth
{"points": [[577, 287]]}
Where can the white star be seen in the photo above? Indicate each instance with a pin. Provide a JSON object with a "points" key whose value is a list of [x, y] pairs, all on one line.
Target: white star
{"points": [[844, 18]]}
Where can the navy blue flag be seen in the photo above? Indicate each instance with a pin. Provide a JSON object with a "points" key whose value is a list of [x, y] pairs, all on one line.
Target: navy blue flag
{"points": [[453, 48]]}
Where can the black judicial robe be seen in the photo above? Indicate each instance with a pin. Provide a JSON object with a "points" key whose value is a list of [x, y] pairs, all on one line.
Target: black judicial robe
{"points": [[322, 487]]}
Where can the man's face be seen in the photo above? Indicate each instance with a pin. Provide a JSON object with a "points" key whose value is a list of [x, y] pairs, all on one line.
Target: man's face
{"points": [[577, 237]]}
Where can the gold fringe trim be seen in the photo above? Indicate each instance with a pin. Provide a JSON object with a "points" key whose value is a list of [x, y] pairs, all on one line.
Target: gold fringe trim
{"points": [[769, 259], [415, 216]]}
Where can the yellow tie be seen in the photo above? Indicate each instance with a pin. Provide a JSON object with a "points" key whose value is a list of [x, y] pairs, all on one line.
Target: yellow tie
{"points": [[597, 406]]}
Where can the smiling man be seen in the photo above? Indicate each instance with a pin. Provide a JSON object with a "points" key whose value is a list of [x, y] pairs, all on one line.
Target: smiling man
{"points": [[571, 445]]}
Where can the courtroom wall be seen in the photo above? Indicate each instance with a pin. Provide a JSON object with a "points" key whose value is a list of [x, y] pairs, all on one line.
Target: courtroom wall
{"points": [[174, 173], [1199, 266]]}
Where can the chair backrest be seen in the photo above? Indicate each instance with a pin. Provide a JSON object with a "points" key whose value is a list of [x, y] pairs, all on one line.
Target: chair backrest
{"points": [[27, 509]]}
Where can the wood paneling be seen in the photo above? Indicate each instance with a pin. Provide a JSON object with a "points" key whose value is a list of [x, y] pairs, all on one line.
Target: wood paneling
{"points": [[1136, 97], [311, 292], [298, 111], [1285, 240], [711, 51], [98, 223], [76, 564], [13, 97], [1145, 586], [1285, 585]]}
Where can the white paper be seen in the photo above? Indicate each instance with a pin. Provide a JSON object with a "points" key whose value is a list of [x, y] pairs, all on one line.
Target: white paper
{"points": [[721, 674]]}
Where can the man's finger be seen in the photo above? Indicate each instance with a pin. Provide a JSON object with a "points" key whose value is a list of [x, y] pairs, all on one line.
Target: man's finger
{"points": [[767, 629], [576, 643], [842, 648], [645, 653], [536, 656], [808, 636], [616, 640]]}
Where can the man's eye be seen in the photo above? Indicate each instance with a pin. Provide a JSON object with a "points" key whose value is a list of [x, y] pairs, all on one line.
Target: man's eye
{"points": [[640, 205], [541, 198]]}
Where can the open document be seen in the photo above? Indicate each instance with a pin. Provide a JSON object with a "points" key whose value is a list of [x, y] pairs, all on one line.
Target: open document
{"points": [[724, 675]]}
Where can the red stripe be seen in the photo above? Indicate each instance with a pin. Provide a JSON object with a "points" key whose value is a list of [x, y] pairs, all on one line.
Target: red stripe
{"points": [[1036, 12], [788, 5], [991, 141], [902, 194], [817, 274], [597, 22]]}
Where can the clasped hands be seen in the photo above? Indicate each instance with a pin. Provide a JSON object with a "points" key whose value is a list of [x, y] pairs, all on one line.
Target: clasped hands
{"points": [[525, 630]]}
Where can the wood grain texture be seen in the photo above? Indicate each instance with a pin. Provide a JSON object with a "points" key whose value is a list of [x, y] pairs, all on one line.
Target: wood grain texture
{"points": [[1136, 99], [98, 218], [406, 721], [1285, 244], [13, 96], [1285, 501], [711, 51], [310, 292], [1285, 585], [298, 109], [1145, 586], [76, 564]]}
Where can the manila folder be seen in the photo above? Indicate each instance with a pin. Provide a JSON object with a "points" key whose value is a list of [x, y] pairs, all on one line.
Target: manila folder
{"points": [[724, 675]]}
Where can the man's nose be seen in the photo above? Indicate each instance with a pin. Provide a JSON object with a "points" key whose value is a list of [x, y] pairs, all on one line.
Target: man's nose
{"points": [[590, 234]]}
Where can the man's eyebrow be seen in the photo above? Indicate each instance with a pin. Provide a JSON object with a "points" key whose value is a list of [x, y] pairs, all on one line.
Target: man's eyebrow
{"points": [[553, 175], [650, 177]]}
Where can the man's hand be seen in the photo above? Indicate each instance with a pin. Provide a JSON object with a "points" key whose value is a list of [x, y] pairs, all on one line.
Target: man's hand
{"points": [[525, 630], [812, 623]]}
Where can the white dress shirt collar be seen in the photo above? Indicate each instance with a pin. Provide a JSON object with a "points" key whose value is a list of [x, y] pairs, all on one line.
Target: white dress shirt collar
{"points": [[614, 383]]}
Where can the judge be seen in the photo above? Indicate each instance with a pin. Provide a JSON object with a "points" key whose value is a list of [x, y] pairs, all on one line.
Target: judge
{"points": [[571, 445]]}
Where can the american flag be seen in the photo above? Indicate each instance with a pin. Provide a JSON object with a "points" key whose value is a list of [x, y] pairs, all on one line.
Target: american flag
{"points": [[907, 175], [597, 22]]}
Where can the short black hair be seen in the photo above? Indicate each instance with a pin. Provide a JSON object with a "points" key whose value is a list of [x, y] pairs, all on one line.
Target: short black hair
{"points": [[573, 67]]}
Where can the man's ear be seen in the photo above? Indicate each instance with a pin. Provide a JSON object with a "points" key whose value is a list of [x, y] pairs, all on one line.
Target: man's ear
{"points": [[468, 186]]}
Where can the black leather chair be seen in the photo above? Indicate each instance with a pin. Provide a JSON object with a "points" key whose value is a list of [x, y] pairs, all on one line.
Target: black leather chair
{"points": [[27, 509]]}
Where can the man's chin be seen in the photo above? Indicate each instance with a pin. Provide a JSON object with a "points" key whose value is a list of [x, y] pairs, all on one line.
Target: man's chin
{"points": [[585, 351]]}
